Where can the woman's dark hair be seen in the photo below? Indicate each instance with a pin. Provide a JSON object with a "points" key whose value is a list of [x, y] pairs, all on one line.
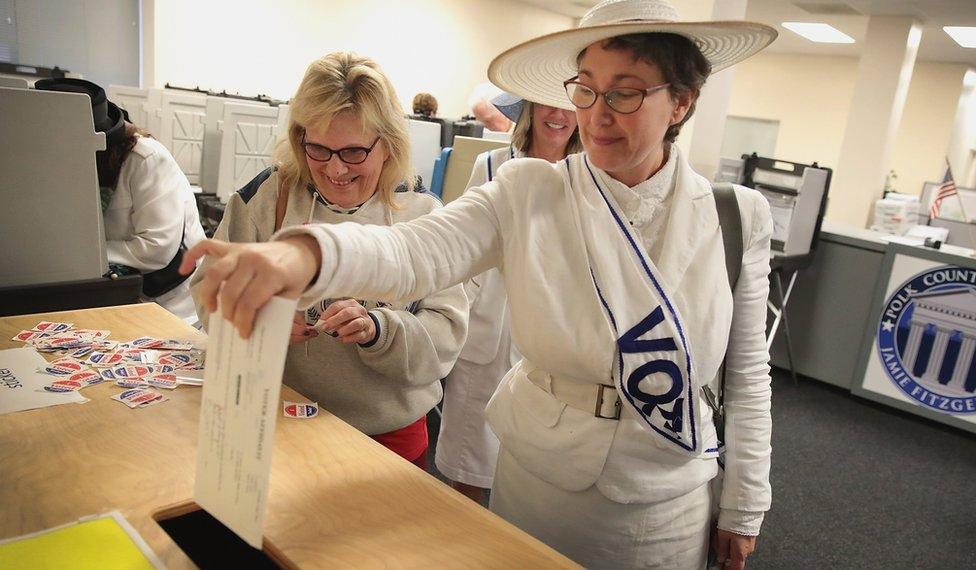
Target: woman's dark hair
{"points": [[110, 160], [679, 59]]}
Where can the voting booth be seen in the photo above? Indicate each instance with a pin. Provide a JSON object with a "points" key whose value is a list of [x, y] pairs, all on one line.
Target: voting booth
{"points": [[797, 196], [458, 169], [212, 126], [425, 147], [212, 134], [247, 141], [496, 136], [144, 106], [51, 218], [284, 115], [182, 128]]}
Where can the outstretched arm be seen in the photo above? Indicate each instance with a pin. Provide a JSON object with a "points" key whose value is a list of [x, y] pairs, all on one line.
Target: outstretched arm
{"points": [[408, 261]]}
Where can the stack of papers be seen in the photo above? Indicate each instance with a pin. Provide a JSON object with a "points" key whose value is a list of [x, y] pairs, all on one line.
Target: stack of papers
{"points": [[22, 386]]}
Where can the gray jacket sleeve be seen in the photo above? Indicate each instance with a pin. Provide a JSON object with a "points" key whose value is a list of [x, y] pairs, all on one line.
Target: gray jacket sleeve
{"points": [[421, 345]]}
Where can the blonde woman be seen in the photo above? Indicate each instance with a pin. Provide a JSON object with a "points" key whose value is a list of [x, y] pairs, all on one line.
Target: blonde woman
{"points": [[467, 450], [347, 159]]}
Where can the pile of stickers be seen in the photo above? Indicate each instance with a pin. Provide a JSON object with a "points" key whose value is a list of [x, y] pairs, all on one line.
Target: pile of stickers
{"points": [[87, 357]]}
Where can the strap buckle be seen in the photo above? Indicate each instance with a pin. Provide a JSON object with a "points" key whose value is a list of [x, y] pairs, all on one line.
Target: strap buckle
{"points": [[599, 402]]}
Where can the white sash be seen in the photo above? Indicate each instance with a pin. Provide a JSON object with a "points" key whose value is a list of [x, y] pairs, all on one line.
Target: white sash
{"points": [[652, 368]]}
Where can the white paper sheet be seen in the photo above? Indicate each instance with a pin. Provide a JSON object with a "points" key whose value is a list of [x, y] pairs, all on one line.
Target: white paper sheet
{"points": [[238, 412], [782, 217], [22, 387]]}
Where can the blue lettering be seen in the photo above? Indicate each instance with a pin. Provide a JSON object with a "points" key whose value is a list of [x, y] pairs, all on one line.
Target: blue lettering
{"points": [[631, 343]]}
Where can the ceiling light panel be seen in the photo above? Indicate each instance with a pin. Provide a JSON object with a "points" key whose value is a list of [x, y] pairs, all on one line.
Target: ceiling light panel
{"points": [[820, 33], [964, 36]]}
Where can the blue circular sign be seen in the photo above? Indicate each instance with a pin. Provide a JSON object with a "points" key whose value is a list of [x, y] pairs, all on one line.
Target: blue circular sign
{"points": [[927, 338]]}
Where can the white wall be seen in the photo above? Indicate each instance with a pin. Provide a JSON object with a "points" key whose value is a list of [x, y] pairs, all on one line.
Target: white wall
{"points": [[962, 145], [810, 96], [254, 46], [924, 135]]}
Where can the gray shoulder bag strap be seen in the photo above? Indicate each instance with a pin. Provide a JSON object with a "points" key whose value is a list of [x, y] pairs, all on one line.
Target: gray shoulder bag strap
{"points": [[730, 221]]}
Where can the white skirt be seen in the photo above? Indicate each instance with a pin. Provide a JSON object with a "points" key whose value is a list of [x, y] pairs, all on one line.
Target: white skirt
{"points": [[596, 532], [467, 449]]}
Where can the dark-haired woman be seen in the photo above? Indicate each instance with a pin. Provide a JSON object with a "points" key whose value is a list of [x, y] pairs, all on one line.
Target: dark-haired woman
{"points": [[150, 210], [147, 204]]}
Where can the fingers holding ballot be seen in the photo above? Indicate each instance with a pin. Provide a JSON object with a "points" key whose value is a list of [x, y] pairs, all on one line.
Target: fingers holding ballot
{"points": [[244, 276]]}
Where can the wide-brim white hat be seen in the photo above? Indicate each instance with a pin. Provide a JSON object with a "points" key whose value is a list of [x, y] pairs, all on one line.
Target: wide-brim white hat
{"points": [[535, 70]]}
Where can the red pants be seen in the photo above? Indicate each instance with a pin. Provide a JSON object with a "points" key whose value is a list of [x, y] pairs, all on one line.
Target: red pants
{"points": [[408, 442]]}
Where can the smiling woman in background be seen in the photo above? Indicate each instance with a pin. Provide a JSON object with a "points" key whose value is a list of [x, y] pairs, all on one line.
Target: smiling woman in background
{"points": [[347, 159], [467, 450]]}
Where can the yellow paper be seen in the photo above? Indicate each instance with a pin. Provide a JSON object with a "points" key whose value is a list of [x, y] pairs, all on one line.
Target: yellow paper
{"points": [[100, 543]]}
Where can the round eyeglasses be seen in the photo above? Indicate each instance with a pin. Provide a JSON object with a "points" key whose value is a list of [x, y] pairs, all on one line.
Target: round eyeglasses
{"points": [[349, 154], [624, 100]]}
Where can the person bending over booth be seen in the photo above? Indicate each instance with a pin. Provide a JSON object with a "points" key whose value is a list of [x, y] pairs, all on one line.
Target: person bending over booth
{"points": [[149, 210]]}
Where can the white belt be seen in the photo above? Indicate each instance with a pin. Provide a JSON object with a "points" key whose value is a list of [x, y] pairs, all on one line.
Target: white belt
{"points": [[601, 400]]}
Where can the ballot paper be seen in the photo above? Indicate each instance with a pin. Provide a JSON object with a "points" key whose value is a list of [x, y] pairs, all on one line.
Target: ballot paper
{"points": [[238, 411], [22, 386]]}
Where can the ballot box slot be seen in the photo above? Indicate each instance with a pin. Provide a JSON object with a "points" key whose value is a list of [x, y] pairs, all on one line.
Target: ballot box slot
{"points": [[210, 544]]}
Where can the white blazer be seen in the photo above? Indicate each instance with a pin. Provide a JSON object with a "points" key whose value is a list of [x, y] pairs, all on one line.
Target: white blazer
{"points": [[523, 223], [152, 210]]}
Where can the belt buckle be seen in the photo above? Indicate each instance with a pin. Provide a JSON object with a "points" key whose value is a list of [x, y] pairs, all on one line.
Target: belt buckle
{"points": [[599, 403]]}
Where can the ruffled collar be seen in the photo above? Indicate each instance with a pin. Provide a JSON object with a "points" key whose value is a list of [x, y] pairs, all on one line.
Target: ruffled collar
{"points": [[641, 203]]}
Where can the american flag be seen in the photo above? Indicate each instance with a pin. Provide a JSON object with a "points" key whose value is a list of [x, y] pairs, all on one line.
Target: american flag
{"points": [[946, 189]]}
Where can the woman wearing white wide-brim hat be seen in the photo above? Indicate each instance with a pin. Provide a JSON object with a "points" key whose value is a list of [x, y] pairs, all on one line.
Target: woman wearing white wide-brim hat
{"points": [[620, 302]]}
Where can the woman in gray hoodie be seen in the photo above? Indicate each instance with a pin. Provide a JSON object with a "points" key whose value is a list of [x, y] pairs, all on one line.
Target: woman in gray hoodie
{"points": [[347, 159]]}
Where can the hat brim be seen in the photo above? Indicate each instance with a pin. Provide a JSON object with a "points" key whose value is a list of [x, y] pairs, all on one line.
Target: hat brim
{"points": [[535, 70]]}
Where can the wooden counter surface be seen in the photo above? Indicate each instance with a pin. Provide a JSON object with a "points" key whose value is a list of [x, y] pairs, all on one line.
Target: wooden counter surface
{"points": [[337, 498]]}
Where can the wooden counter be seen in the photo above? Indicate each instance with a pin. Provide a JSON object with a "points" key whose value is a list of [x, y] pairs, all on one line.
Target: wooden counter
{"points": [[337, 498]]}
